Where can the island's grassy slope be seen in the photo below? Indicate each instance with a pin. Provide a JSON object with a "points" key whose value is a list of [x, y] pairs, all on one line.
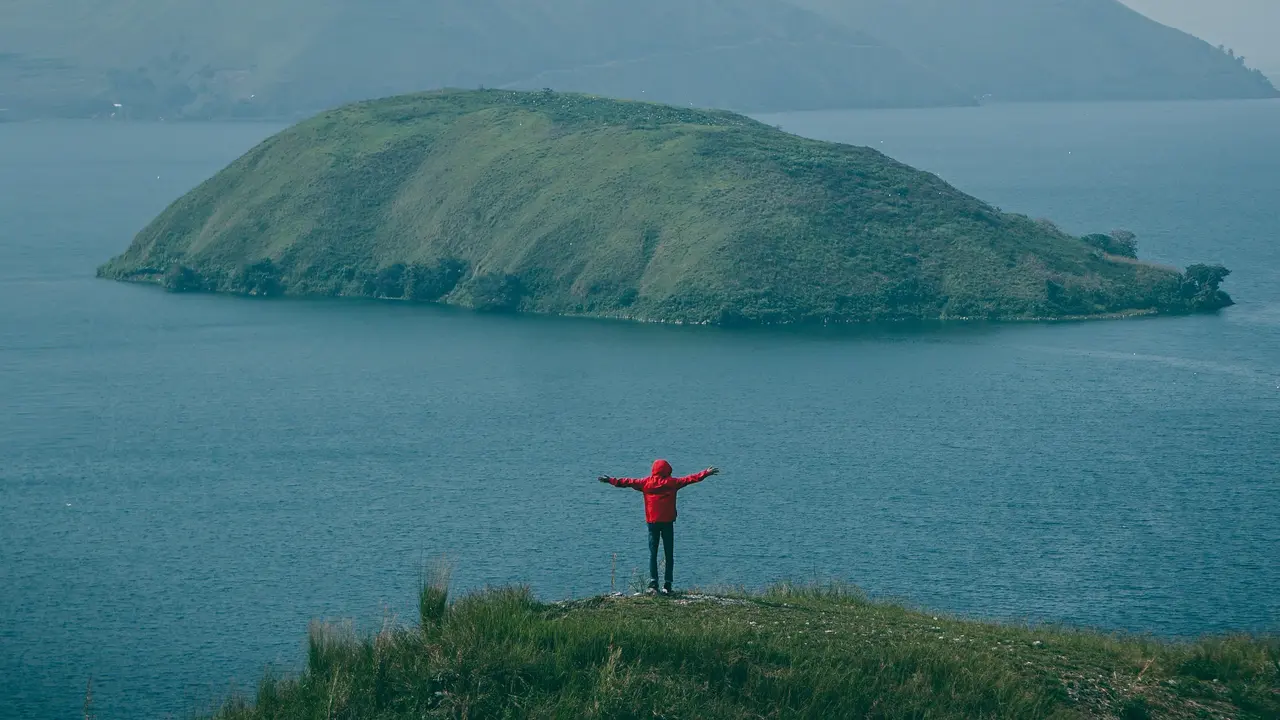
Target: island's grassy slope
{"points": [[789, 653], [1051, 50], [568, 204], [194, 58]]}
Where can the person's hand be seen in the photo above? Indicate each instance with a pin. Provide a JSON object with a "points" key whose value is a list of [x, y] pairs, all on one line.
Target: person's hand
{"points": [[713, 471], [603, 478]]}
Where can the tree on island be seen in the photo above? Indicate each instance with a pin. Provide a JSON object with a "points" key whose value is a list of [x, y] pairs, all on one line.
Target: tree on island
{"points": [[1124, 243], [180, 278], [1205, 278], [1120, 243], [1200, 286], [260, 278]]}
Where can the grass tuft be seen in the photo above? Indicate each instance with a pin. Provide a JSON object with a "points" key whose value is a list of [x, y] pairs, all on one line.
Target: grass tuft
{"points": [[433, 594]]}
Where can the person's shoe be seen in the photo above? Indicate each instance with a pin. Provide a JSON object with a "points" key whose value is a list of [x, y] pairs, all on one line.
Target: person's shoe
{"points": [[666, 589], [653, 588]]}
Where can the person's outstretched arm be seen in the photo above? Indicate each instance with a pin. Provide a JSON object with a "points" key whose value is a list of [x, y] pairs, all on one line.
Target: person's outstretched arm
{"points": [[697, 477], [633, 483]]}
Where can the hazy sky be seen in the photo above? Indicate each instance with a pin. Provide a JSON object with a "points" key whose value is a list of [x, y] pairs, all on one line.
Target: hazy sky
{"points": [[1252, 27]]}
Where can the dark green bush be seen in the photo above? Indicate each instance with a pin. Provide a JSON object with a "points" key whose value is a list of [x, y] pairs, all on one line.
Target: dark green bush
{"points": [[496, 292], [180, 278], [1120, 243], [425, 283], [390, 282], [259, 278]]}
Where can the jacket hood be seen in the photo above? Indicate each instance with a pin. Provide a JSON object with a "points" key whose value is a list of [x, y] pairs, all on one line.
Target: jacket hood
{"points": [[661, 468]]}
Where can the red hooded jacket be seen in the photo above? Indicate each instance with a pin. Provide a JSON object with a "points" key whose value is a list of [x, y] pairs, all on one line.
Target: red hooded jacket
{"points": [[659, 490]]}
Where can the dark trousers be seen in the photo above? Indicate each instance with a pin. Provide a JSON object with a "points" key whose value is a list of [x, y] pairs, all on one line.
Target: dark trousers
{"points": [[664, 531]]}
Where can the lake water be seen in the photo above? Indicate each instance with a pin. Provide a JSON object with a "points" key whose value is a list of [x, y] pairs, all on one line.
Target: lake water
{"points": [[185, 481]]}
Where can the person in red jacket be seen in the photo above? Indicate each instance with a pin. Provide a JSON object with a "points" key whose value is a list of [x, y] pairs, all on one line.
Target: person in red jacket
{"points": [[660, 511]]}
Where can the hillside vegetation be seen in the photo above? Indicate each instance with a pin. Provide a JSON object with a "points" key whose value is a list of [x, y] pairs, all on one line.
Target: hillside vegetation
{"points": [[788, 653], [290, 58], [569, 204], [1051, 50]]}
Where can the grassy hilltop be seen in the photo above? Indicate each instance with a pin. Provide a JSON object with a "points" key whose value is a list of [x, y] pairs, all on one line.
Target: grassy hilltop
{"points": [[570, 204], [789, 653]]}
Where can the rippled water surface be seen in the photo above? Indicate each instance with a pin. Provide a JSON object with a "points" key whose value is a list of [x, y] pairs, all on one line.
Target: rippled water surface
{"points": [[186, 480]]}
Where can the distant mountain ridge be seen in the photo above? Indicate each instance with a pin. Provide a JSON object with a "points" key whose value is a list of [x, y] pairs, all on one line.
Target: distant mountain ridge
{"points": [[145, 59], [1051, 50], [292, 58]]}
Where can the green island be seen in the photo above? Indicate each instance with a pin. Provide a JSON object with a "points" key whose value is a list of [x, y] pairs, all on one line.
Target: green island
{"points": [[789, 652], [570, 204]]}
